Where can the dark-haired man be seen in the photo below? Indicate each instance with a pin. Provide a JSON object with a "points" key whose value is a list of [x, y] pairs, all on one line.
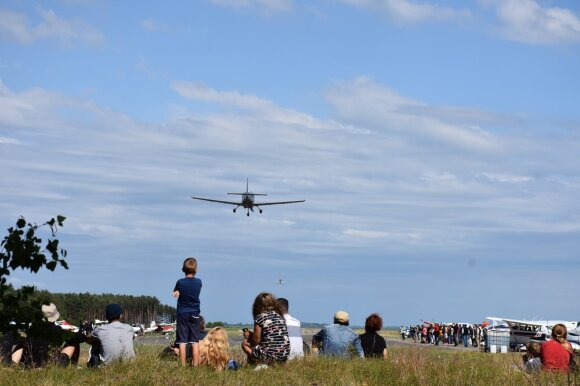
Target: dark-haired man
{"points": [[112, 341], [294, 331]]}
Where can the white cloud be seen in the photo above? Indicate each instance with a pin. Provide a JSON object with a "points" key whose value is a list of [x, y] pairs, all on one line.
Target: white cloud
{"points": [[528, 21], [201, 92], [506, 178], [364, 233], [409, 11], [268, 6], [265, 108], [16, 26], [366, 103], [9, 141]]}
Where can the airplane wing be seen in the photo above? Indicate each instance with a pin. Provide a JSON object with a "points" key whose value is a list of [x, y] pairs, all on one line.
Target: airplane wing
{"points": [[511, 322], [530, 322], [277, 203], [219, 201]]}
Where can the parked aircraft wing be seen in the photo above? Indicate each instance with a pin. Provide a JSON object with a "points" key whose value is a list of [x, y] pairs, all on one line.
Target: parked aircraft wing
{"points": [[530, 322], [277, 203], [220, 201], [537, 323]]}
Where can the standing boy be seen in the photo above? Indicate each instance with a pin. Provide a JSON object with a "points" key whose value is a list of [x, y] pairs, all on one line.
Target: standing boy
{"points": [[187, 293]]}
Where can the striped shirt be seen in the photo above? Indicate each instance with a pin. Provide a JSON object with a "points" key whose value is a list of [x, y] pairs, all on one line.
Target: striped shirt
{"points": [[274, 343]]}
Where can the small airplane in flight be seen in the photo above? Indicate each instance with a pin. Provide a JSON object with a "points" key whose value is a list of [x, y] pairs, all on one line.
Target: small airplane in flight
{"points": [[522, 331], [247, 201]]}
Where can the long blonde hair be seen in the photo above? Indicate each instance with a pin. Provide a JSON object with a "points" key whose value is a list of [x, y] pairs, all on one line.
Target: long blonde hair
{"points": [[214, 349]]}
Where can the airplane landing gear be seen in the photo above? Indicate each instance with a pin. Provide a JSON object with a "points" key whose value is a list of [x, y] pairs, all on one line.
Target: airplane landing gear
{"points": [[260, 210], [234, 211]]}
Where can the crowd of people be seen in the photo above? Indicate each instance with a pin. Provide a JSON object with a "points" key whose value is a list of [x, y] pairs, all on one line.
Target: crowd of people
{"points": [[275, 338], [450, 334]]}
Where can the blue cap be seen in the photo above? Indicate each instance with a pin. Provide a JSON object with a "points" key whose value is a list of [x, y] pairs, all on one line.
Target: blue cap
{"points": [[113, 311]]}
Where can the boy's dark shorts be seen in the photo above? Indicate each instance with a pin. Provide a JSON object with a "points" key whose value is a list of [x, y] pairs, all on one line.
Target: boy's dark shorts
{"points": [[187, 328]]}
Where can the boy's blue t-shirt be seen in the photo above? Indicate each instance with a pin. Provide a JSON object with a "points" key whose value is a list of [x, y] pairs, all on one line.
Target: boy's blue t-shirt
{"points": [[188, 300]]}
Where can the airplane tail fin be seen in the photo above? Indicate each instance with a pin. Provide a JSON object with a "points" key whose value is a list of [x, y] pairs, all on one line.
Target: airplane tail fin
{"points": [[248, 191]]}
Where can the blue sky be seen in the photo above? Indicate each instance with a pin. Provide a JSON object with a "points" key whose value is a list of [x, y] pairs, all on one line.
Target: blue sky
{"points": [[435, 143]]}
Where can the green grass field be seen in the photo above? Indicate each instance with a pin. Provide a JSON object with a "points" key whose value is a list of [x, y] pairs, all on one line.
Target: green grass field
{"points": [[406, 365]]}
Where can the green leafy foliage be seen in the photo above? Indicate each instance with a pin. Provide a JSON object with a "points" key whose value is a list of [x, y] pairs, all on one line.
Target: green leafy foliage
{"points": [[23, 248]]}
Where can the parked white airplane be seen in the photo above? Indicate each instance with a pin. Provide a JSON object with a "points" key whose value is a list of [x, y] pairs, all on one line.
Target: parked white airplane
{"points": [[522, 331], [152, 327]]}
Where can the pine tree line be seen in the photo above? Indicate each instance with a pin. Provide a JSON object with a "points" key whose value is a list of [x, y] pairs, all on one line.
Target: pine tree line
{"points": [[75, 307]]}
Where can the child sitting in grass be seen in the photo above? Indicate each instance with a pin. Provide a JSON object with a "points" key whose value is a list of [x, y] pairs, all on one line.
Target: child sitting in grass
{"points": [[532, 361], [269, 342]]}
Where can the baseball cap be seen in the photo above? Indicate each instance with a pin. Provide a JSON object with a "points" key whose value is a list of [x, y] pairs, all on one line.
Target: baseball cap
{"points": [[341, 316], [113, 311]]}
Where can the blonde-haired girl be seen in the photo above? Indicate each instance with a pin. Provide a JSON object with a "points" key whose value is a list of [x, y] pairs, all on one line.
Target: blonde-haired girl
{"points": [[214, 349]]}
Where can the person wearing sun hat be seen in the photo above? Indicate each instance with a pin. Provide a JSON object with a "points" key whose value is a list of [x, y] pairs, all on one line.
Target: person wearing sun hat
{"points": [[113, 341], [50, 312], [338, 339], [42, 337]]}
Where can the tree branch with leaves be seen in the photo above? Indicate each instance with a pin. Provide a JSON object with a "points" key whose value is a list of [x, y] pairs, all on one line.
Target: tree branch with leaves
{"points": [[23, 248]]}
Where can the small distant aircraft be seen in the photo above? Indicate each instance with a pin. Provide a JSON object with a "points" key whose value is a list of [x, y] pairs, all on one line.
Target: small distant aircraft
{"points": [[522, 331], [281, 282], [247, 201]]}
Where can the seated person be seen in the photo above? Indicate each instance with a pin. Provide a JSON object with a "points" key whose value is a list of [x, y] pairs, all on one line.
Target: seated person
{"points": [[374, 345], [532, 361], [557, 353], [294, 331], [269, 342], [214, 349], [45, 341], [338, 339], [112, 341]]}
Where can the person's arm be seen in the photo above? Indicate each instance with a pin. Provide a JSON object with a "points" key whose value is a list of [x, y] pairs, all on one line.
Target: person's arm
{"points": [[317, 339], [93, 336], [257, 338], [385, 353], [358, 347], [175, 292]]}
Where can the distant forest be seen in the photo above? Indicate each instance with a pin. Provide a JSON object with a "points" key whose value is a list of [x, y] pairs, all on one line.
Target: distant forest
{"points": [[75, 307]]}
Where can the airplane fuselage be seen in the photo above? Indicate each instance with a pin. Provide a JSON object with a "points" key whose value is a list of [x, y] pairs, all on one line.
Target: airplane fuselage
{"points": [[522, 331], [248, 200]]}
